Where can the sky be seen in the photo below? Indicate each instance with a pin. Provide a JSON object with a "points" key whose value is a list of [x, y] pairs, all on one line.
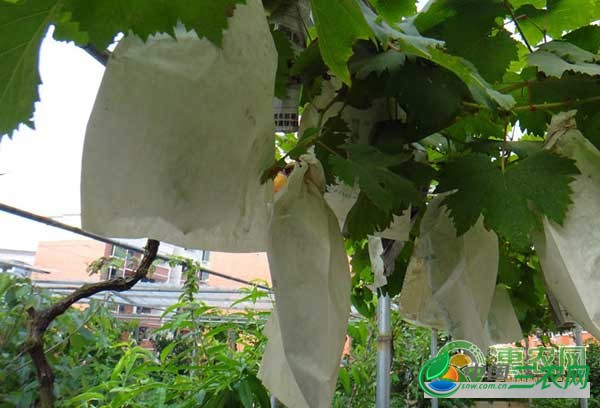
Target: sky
{"points": [[40, 169]]}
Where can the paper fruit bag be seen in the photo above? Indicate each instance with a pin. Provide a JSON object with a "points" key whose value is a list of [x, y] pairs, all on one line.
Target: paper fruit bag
{"points": [[502, 325], [180, 133], [311, 280], [570, 254], [450, 280]]}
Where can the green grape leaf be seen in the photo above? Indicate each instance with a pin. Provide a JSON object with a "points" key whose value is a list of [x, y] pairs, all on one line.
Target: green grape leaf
{"points": [[482, 188], [379, 63], [482, 125], [475, 32], [480, 89], [22, 28], [558, 17], [339, 24], [587, 38], [370, 168], [365, 218], [411, 42], [557, 57], [491, 54], [509, 272], [431, 97], [103, 19], [67, 30], [437, 366], [285, 55], [539, 4], [393, 10], [333, 135], [404, 33]]}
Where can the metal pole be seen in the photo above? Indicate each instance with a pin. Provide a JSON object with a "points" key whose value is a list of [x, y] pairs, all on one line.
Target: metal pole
{"points": [[434, 350], [384, 351], [583, 402], [273, 402]]}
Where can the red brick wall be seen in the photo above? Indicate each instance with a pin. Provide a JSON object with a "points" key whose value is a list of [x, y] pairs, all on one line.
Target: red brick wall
{"points": [[68, 260], [244, 266]]}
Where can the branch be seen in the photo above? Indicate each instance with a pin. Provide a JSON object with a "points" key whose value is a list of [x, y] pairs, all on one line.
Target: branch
{"points": [[540, 106], [514, 19], [40, 320]]}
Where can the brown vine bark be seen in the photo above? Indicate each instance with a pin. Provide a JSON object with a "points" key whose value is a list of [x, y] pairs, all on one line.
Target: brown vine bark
{"points": [[39, 320]]}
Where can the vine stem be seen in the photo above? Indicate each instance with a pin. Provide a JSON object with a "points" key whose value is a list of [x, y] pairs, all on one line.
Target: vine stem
{"points": [[40, 320], [540, 106], [552, 105], [515, 20]]}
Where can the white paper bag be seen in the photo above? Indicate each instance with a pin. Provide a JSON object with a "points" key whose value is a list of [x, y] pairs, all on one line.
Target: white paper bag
{"points": [[376, 253], [179, 136], [311, 280], [570, 254], [450, 280], [502, 325]]}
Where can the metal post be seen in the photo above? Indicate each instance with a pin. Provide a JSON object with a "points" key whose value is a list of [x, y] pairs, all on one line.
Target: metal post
{"points": [[384, 351], [273, 401], [583, 402], [434, 350]]}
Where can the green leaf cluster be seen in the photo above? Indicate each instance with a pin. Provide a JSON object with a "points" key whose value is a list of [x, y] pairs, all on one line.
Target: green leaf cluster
{"points": [[535, 185]]}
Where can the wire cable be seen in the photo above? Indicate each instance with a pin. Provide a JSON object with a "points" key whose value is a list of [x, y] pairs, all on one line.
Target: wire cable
{"points": [[75, 230]]}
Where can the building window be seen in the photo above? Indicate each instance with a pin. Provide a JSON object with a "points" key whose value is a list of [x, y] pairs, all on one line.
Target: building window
{"points": [[143, 310], [121, 253], [203, 276], [205, 256], [112, 272]]}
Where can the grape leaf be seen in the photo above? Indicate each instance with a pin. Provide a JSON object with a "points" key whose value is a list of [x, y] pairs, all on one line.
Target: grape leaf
{"points": [[285, 55], [378, 63], [333, 135], [365, 218], [431, 97], [393, 10], [371, 168], [310, 68], [556, 57], [482, 125], [558, 17], [67, 30], [491, 54], [411, 42], [339, 24], [539, 4], [541, 179], [587, 38], [22, 28], [475, 32], [103, 19], [480, 89]]}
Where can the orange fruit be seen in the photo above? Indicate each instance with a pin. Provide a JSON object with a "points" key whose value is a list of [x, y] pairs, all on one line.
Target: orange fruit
{"points": [[279, 182]]}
